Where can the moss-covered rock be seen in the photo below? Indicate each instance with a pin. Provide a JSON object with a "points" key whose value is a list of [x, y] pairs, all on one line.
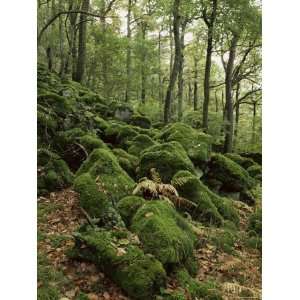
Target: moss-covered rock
{"points": [[140, 276], [141, 121], [204, 290], [53, 172], [197, 144], [103, 164], [123, 112], [212, 209], [128, 206], [163, 232], [127, 161], [255, 171], [140, 143], [91, 142], [125, 135], [234, 178], [167, 159], [95, 202], [245, 162]]}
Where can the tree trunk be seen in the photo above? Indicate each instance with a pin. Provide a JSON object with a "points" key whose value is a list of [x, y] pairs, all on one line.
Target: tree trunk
{"points": [[174, 73], [195, 83], [210, 26], [160, 91], [49, 58], [216, 101], [190, 93], [228, 143], [128, 53], [254, 123], [61, 42], [237, 111], [143, 71], [82, 42], [180, 73]]}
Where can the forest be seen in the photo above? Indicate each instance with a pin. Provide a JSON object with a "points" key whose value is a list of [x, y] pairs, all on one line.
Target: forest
{"points": [[149, 157]]}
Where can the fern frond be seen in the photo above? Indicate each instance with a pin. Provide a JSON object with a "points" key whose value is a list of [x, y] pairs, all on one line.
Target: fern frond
{"points": [[177, 182], [155, 175]]}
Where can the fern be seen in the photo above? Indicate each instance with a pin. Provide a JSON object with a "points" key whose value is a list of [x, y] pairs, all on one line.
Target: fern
{"points": [[180, 181]]}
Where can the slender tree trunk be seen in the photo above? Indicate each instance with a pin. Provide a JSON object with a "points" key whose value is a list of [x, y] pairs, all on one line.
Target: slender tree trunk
{"points": [[128, 53], [195, 83], [190, 91], [216, 101], [143, 71], [104, 58], [160, 83], [49, 58], [61, 42], [174, 73], [228, 143], [254, 123], [210, 26], [82, 42], [237, 111], [180, 73]]}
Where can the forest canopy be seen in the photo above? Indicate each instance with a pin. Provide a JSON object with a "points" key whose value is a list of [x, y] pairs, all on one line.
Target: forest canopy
{"points": [[197, 61]]}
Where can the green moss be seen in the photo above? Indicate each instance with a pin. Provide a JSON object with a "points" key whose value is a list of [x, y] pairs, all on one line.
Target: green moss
{"points": [[163, 232], [255, 171], [139, 275], [211, 207], [233, 177], [205, 290], [126, 134], [95, 202], [224, 240], [167, 159], [46, 119], [102, 164], [245, 162], [196, 144], [54, 173], [140, 143], [127, 161], [141, 121], [255, 223], [128, 206], [101, 123], [167, 294], [91, 199], [90, 142]]}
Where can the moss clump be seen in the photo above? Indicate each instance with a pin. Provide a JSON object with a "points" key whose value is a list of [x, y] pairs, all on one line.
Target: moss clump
{"points": [[141, 121], [127, 161], [163, 232], [53, 172], [128, 206], [196, 144], [211, 207], [96, 202], [139, 275], [140, 143], [91, 142], [126, 134], [204, 290], [167, 159], [255, 171], [192, 189], [234, 178], [111, 132], [245, 162], [255, 223], [114, 181], [101, 123]]}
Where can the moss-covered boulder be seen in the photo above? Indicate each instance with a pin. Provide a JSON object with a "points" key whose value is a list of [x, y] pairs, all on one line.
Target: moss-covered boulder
{"points": [[95, 202], [53, 172], [212, 209], [127, 161], [123, 112], [103, 166], [141, 121], [197, 144], [195, 289], [140, 275], [255, 171], [245, 162], [125, 135], [163, 232], [167, 159], [128, 206], [234, 178], [140, 143]]}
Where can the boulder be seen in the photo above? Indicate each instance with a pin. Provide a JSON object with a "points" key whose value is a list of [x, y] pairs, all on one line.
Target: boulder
{"points": [[103, 166], [167, 159], [140, 143], [140, 121]]}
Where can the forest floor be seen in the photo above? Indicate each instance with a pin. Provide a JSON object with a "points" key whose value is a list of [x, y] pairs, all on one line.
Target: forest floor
{"points": [[236, 269]]}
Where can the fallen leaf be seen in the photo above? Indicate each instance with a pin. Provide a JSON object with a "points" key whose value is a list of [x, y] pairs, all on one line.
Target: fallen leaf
{"points": [[106, 295]]}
